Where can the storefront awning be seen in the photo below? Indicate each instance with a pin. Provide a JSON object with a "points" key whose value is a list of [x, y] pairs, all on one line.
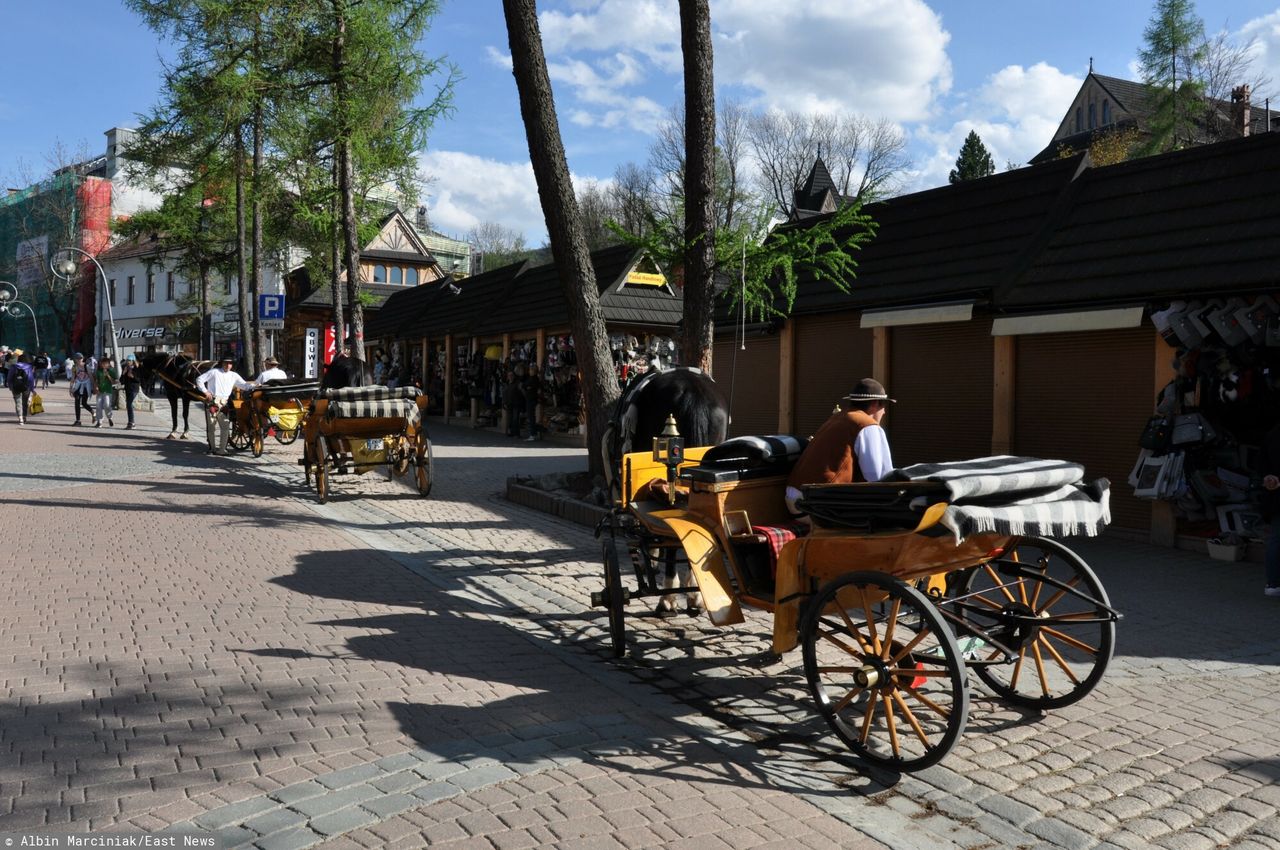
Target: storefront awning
{"points": [[1080, 320], [925, 314]]}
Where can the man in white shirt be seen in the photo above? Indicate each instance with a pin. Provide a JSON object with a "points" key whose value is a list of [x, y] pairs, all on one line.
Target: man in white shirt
{"points": [[217, 385], [273, 372]]}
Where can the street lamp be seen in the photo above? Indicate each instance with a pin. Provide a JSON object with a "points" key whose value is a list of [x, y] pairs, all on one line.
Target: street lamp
{"points": [[64, 265], [9, 303]]}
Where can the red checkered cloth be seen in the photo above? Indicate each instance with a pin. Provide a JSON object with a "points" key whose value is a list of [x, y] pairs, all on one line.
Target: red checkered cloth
{"points": [[778, 536]]}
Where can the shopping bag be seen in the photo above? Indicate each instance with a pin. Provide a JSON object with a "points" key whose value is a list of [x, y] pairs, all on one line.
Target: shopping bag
{"points": [[36, 405]]}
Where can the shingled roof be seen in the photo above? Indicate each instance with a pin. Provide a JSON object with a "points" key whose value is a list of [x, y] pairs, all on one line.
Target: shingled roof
{"points": [[460, 312], [406, 307]]}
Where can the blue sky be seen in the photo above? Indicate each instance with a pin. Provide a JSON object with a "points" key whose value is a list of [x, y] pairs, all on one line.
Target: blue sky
{"points": [[937, 68]]}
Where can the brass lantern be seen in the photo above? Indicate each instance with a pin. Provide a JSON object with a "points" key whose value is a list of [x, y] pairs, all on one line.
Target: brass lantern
{"points": [[668, 450]]}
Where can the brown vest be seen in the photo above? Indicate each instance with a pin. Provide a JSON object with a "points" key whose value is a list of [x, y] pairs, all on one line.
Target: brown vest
{"points": [[829, 458]]}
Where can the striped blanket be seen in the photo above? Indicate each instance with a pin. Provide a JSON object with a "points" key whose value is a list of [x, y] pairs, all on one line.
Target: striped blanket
{"points": [[374, 403], [1016, 495]]}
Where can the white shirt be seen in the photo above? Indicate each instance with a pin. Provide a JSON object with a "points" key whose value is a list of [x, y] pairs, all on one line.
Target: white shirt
{"points": [[219, 384], [273, 374], [872, 450]]}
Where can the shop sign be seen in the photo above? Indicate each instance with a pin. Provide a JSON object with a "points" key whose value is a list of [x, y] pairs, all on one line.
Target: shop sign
{"points": [[139, 333], [311, 354], [646, 279]]}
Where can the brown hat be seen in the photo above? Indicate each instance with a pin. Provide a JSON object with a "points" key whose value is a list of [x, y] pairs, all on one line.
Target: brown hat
{"points": [[271, 361], [868, 389]]}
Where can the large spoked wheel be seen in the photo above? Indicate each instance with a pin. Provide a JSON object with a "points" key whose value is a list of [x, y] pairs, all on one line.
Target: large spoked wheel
{"points": [[615, 597], [239, 440], [424, 466], [286, 436], [1044, 603], [885, 670], [322, 469]]}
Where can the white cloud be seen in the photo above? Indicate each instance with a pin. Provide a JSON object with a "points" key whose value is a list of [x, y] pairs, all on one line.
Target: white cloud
{"points": [[497, 57], [1265, 32], [467, 190], [1015, 112], [650, 28]]}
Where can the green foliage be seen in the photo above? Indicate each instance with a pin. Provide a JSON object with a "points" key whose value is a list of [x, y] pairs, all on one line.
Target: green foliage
{"points": [[974, 161], [1173, 44]]}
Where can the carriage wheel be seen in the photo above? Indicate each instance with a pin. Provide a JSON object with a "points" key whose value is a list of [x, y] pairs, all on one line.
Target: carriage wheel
{"points": [[285, 437], [322, 469], [1063, 642], [614, 598], [885, 671], [239, 440], [256, 440], [306, 461], [424, 465]]}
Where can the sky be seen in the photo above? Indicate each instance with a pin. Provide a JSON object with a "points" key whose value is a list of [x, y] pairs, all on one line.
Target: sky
{"points": [[936, 68]]}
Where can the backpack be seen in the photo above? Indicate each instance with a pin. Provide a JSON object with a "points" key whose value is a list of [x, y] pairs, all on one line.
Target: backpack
{"points": [[18, 382]]}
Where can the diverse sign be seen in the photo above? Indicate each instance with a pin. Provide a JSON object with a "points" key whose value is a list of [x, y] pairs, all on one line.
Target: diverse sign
{"points": [[311, 354], [139, 333]]}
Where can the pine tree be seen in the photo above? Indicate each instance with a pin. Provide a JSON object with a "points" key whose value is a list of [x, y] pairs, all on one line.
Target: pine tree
{"points": [[1174, 44], [974, 160]]}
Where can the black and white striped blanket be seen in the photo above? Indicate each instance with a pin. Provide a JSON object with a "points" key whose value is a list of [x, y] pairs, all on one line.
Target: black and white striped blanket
{"points": [[1016, 495], [374, 403]]}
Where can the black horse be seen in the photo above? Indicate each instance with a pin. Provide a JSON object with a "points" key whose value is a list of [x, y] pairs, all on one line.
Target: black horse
{"points": [[346, 371], [701, 412], [178, 373]]}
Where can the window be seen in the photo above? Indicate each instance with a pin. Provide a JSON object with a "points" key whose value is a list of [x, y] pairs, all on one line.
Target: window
{"points": [[129, 292], [1106, 112], [397, 275], [111, 291], [168, 288], [379, 274], [411, 276], [1093, 113], [1079, 119], [151, 287]]}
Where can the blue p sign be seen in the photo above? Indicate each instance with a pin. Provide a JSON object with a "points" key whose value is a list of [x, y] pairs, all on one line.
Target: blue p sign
{"points": [[270, 306]]}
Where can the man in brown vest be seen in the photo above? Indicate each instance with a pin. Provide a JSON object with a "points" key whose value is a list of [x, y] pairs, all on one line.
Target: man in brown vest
{"points": [[850, 446]]}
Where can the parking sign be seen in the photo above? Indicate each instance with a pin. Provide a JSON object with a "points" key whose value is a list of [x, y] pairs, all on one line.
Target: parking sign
{"points": [[271, 306]]}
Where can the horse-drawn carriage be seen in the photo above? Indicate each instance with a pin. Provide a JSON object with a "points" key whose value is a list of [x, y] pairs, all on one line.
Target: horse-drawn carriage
{"points": [[278, 408], [900, 588], [361, 428]]}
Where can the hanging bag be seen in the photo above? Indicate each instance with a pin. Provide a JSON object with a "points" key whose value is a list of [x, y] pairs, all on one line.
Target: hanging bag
{"points": [[1157, 436], [1192, 429]]}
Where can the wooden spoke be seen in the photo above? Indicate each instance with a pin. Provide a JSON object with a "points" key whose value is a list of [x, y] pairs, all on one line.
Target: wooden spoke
{"points": [[1017, 669], [1053, 600], [924, 700], [1069, 640], [867, 717], [893, 726], [846, 699], [1044, 680], [906, 650], [999, 583], [1044, 641], [1035, 597], [853, 630], [911, 718], [888, 629], [832, 637], [994, 606], [871, 623]]}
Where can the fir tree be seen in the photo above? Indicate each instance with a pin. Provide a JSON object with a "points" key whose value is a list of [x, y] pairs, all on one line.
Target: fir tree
{"points": [[1174, 46], [974, 160]]}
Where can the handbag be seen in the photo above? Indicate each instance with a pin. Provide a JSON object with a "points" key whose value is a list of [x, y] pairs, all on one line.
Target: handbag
{"points": [[1157, 436], [36, 405], [1192, 429]]}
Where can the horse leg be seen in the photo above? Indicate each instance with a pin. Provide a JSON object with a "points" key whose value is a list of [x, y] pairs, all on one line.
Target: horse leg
{"points": [[186, 415], [676, 574], [173, 416]]}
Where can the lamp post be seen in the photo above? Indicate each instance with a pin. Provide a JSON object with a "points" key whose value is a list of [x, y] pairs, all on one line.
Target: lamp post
{"points": [[9, 304], [64, 265]]}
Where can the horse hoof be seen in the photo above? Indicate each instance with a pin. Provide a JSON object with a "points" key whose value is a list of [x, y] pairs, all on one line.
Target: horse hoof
{"points": [[172, 435], [664, 612], [693, 611]]}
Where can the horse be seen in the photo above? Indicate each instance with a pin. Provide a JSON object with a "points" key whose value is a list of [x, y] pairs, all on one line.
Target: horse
{"points": [[178, 373], [346, 371], [701, 412]]}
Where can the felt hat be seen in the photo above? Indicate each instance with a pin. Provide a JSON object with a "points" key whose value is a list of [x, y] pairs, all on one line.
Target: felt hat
{"points": [[226, 360], [868, 389], [271, 361]]}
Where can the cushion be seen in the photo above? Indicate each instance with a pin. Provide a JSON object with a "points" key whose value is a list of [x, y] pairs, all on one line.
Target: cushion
{"points": [[749, 452]]}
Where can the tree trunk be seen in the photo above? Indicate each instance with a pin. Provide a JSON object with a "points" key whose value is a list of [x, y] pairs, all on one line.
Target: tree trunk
{"points": [[253, 356], [335, 274], [346, 181], [242, 258], [699, 188], [564, 225]]}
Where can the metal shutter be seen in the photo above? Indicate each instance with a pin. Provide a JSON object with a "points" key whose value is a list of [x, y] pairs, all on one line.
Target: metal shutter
{"points": [[1053, 418], [750, 380], [941, 376], [832, 354]]}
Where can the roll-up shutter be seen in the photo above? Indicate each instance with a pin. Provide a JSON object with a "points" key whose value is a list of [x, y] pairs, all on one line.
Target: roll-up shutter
{"points": [[832, 354], [941, 376], [750, 380], [1085, 397]]}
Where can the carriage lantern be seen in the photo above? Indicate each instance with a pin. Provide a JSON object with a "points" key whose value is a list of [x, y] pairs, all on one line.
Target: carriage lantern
{"points": [[668, 450]]}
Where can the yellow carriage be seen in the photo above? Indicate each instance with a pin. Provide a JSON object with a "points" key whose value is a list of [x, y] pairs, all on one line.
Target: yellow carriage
{"points": [[279, 408], [357, 429], [889, 604]]}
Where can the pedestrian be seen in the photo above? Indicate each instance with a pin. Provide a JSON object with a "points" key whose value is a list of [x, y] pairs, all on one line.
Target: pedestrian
{"points": [[106, 380], [512, 403], [132, 383], [68, 366], [81, 385], [41, 366], [21, 380], [272, 372], [217, 385], [532, 393]]}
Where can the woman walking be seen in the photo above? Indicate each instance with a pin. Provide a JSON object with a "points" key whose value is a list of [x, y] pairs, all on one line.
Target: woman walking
{"points": [[81, 385], [105, 378], [132, 383]]}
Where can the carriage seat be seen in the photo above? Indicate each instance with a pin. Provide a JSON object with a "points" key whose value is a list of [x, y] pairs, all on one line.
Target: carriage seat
{"points": [[374, 403], [746, 458], [871, 507], [283, 390]]}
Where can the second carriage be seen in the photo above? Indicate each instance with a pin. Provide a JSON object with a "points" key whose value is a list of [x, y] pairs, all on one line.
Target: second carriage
{"points": [[356, 429], [278, 409]]}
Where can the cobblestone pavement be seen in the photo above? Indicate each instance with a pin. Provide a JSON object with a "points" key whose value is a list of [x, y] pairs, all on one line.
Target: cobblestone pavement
{"points": [[192, 642]]}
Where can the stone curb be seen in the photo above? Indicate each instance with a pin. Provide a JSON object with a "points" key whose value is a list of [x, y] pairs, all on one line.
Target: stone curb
{"points": [[573, 510]]}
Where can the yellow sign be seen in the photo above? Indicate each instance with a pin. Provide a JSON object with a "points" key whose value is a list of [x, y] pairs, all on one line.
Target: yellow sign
{"points": [[646, 279]]}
